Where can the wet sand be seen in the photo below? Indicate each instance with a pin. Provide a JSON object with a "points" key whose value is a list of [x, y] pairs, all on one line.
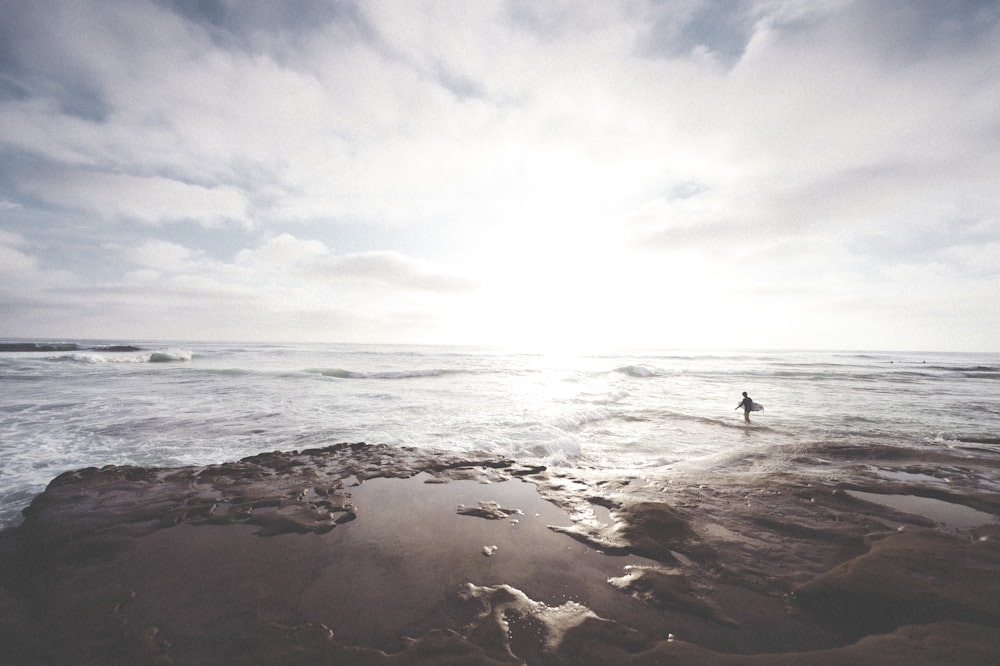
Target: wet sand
{"points": [[359, 554]]}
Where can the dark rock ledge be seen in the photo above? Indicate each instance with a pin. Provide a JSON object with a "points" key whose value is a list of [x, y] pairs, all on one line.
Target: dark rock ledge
{"points": [[368, 554]]}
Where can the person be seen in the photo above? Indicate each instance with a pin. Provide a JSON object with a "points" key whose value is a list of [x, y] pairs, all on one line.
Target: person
{"points": [[747, 405]]}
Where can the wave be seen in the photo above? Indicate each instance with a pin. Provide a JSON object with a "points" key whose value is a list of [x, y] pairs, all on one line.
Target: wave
{"points": [[971, 371], [91, 358], [580, 418], [339, 373], [640, 371], [38, 346], [987, 440], [170, 356], [49, 347]]}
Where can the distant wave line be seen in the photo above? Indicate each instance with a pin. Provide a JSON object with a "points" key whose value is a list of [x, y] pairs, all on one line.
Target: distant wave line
{"points": [[340, 373], [49, 347]]}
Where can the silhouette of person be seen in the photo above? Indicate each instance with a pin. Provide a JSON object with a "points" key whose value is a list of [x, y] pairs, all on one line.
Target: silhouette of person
{"points": [[746, 403]]}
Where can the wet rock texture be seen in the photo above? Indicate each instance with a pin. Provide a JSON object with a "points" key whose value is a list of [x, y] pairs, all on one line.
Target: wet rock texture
{"points": [[226, 563]]}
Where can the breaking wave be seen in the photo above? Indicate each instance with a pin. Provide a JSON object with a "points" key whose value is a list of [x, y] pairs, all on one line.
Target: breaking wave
{"points": [[170, 356], [94, 353], [90, 358], [640, 371]]}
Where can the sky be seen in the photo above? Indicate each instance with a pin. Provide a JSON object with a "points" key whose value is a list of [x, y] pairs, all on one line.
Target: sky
{"points": [[554, 175]]}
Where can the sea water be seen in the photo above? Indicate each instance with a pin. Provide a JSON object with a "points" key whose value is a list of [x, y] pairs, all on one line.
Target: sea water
{"points": [[75, 404]]}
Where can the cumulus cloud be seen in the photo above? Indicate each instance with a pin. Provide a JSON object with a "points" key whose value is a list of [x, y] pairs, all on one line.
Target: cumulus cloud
{"points": [[800, 154], [391, 268], [158, 255], [15, 263], [311, 259], [278, 286], [150, 200]]}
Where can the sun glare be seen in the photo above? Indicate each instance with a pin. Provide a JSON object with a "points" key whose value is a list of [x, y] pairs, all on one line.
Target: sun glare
{"points": [[589, 295]]}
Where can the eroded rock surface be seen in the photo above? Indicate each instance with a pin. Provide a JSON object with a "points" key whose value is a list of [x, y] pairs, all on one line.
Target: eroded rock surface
{"points": [[310, 557], [912, 576]]}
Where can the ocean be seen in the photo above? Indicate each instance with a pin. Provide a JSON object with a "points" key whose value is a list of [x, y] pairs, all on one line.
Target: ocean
{"points": [[71, 404]]}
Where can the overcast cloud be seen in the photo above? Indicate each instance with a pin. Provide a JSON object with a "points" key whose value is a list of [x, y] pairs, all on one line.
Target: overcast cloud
{"points": [[684, 173]]}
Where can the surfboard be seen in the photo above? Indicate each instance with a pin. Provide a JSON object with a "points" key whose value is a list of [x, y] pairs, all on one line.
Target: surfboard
{"points": [[756, 407]]}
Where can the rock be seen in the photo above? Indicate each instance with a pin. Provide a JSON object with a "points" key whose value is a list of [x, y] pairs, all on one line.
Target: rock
{"points": [[669, 589], [489, 510], [353, 554], [652, 529], [598, 642], [913, 576]]}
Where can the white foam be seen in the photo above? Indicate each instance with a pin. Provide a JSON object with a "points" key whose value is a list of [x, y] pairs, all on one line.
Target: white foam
{"points": [[556, 620], [91, 358], [98, 358], [639, 371]]}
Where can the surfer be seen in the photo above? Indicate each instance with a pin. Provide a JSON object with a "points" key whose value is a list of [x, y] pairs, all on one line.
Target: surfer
{"points": [[747, 404]]}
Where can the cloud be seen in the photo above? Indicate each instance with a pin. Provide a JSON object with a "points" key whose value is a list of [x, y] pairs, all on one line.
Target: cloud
{"points": [[21, 270], [288, 287], [311, 260], [159, 255], [392, 268], [15, 263], [150, 200], [283, 250], [562, 161]]}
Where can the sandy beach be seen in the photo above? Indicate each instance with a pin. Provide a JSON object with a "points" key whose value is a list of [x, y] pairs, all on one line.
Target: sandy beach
{"points": [[368, 554]]}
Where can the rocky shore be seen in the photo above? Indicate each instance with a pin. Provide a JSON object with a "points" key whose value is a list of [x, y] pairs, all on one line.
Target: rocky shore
{"points": [[369, 554]]}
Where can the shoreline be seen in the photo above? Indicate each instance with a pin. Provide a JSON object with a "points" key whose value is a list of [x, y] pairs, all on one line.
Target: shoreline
{"points": [[360, 554]]}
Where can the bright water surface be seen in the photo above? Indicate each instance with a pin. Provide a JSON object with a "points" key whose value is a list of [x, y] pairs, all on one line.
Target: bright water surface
{"points": [[168, 404]]}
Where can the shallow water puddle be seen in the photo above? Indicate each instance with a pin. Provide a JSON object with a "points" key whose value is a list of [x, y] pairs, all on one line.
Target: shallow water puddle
{"points": [[400, 567], [602, 514], [905, 476], [954, 516]]}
